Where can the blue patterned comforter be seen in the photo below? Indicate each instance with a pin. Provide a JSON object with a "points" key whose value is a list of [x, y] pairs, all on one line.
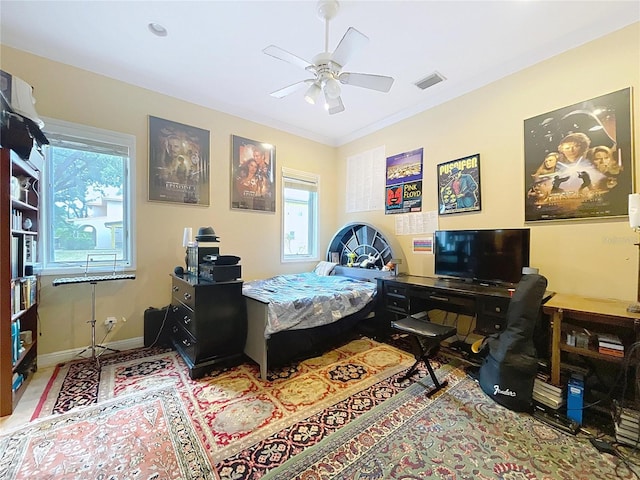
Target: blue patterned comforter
{"points": [[305, 300]]}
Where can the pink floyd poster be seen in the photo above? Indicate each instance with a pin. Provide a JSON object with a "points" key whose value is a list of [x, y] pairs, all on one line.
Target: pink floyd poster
{"points": [[578, 160], [403, 192], [459, 185], [178, 162]]}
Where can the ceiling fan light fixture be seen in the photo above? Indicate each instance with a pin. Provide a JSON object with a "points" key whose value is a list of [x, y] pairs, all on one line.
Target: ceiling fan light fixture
{"points": [[327, 66], [312, 93], [332, 88]]}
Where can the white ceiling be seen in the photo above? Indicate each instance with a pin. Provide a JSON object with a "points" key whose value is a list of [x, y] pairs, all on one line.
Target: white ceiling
{"points": [[213, 56]]}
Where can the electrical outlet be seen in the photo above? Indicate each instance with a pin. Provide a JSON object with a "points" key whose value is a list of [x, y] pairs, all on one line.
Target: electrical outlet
{"points": [[111, 321]]}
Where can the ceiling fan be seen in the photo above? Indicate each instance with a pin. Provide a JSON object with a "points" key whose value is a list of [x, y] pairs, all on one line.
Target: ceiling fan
{"points": [[326, 67]]}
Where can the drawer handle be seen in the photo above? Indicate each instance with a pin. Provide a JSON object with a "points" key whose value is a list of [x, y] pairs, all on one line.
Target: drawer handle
{"points": [[175, 288], [440, 299], [187, 296], [174, 308], [498, 309], [186, 320], [186, 342], [174, 329]]}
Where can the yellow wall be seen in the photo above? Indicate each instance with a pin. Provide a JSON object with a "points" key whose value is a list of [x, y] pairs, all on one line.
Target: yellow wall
{"points": [[589, 257], [593, 258], [74, 95]]}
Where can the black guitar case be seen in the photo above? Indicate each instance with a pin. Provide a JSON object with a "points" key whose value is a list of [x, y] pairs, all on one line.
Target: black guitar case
{"points": [[509, 369]]}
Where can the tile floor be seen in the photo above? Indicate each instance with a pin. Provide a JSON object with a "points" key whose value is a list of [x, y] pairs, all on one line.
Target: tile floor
{"points": [[29, 400]]}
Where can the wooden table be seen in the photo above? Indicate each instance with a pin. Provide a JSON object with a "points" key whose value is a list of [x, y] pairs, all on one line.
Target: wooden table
{"points": [[595, 312]]}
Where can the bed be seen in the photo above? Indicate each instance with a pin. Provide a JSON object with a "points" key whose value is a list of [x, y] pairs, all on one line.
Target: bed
{"points": [[299, 315]]}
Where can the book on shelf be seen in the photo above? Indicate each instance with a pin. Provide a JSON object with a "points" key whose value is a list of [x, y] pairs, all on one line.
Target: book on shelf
{"points": [[625, 414], [627, 426], [542, 385], [609, 338], [15, 265], [613, 346], [611, 352], [627, 437], [551, 402]]}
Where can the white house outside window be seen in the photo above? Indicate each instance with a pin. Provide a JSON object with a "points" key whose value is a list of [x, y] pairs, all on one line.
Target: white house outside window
{"points": [[88, 199], [299, 216]]}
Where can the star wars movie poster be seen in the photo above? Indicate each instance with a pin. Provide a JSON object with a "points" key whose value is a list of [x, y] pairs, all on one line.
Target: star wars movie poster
{"points": [[459, 185], [578, 160], [404, 183], [253, 166], [178, 162]]}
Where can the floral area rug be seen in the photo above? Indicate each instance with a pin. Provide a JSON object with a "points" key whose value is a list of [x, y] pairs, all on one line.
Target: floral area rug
{"points": [[146, 435], [460, 433], [245, 425]]}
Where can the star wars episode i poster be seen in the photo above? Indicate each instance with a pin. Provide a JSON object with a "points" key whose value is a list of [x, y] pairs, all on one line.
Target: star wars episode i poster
{"points": [[178, 162], [459, 185], [578, 160], [404, 183]]}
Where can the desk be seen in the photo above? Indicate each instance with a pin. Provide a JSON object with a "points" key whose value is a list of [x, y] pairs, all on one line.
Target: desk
{"points": [[601, 315], [409, 294]]}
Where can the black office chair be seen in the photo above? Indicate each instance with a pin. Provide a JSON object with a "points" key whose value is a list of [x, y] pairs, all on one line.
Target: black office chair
{"points": [[428, 336]]}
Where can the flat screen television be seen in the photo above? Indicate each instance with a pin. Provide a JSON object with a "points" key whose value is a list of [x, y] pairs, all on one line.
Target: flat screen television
{"points": [[484, 256]]}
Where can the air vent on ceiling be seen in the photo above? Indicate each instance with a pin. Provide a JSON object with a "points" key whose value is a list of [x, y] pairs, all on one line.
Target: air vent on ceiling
{"points": [[429, 81]]}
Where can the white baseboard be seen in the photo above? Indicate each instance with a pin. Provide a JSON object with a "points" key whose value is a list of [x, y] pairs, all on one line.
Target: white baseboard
{"points": [[51, 359]]}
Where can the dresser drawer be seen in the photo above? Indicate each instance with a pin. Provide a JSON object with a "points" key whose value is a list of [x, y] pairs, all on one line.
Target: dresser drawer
{"points": [[397, 303], [184, 292], [184, 316], [184, 342], [494, 306], [396, 290], [442, 300]]}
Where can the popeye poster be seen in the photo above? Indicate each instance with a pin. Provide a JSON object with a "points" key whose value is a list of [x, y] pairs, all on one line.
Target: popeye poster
{"points": [[178, 162], [459, 185], [403, 193], [578, 160]]}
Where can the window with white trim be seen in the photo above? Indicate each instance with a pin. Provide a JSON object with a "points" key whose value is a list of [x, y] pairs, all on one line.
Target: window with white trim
{"points": [[88, 199], [299, 215]]}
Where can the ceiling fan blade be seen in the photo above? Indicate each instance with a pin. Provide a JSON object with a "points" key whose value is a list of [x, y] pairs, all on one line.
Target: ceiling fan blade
{"points": [[283, 92], [285, 56], [366, 80], [334, 105], [351, 42]]}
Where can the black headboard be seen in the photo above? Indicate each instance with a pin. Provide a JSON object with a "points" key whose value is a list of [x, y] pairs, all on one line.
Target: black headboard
{"points": [[363, 240]]}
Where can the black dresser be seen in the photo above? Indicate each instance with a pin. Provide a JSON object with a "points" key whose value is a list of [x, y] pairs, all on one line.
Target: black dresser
{"points": [[207, 322]]}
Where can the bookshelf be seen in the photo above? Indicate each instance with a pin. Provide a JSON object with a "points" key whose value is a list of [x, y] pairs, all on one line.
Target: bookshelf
{"points": [[19, 220], [600, 316]]}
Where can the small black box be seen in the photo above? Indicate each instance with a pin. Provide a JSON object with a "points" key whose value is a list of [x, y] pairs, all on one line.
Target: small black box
{"points": [[156, 327], [220, 273]]}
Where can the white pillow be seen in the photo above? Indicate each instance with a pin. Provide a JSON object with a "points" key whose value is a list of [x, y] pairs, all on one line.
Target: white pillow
{"points": [[324, 268]]}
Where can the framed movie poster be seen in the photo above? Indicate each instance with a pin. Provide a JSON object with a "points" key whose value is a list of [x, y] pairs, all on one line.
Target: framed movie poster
{"points": [[404, 183], [578, 160], [178, 163], [253, 166], [459, 185]]}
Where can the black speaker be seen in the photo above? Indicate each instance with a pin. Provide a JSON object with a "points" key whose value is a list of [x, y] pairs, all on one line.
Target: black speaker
{"points": [[156, 327]]}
